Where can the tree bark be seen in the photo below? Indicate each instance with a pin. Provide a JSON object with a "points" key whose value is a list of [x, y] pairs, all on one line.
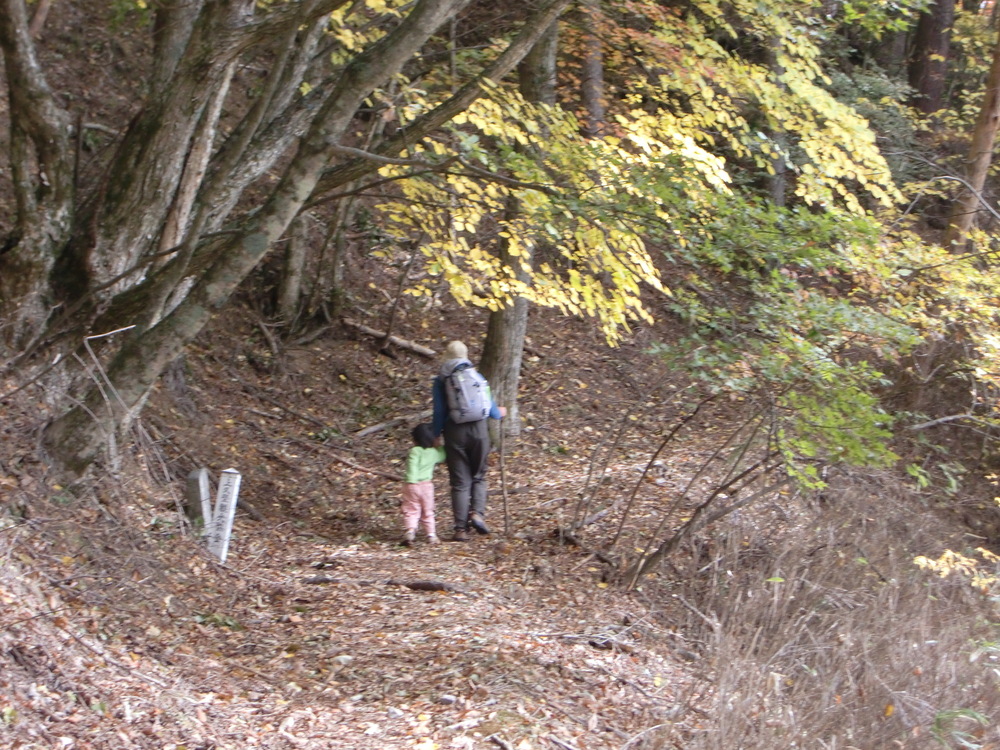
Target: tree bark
{"points": [[42, 169], [75, 439], [777, 178], [929, 60], [143, 177], [173, 21], [328, 293], [537, 72], [890, 53], [39, 17], [179, 216], [239, 161], [503, 349], [277, 118], [592, 73], [292, 272], [977, 165]]}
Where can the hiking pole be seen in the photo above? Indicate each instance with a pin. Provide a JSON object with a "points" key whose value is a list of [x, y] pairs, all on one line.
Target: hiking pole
{"points": [[503, 484]]}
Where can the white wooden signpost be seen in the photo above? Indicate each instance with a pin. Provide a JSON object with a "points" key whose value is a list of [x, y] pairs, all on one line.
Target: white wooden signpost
{"points": [[199, 500], [221, 527]]}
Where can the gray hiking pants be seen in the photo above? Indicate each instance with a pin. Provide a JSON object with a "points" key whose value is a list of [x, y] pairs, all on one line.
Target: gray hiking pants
{"points": [[466, 447]]}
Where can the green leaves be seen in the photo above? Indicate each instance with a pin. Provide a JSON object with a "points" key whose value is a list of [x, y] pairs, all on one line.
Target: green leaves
{"points": [[758, 112], [589, 205], [794, 325]]}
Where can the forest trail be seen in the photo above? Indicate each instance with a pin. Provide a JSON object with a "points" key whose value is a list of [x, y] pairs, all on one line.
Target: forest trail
{"points": [[525, 649], [304, 641], [309, 635], [120, 630]]}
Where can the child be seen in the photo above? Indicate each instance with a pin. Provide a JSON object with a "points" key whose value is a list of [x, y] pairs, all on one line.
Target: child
{"points": [[418, 492]]}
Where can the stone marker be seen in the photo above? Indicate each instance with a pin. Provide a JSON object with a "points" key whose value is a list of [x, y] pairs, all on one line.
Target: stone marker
{"points": [[225, 511], [198, 500]]}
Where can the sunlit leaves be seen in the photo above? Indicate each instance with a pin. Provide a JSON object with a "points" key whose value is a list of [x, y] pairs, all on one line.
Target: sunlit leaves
{"points": [[805, 316], [721, 99], [356, 25], [591, 204], [979, 576], [879, 16]]}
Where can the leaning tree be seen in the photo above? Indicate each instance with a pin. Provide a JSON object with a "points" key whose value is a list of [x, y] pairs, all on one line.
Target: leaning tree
{"points": [[156, 240], [497, 185]]}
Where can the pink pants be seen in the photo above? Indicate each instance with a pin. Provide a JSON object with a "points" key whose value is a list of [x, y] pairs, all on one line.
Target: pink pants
{"points": [[418, 507]]}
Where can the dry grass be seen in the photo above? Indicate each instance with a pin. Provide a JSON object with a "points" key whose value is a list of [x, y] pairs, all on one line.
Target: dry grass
{"points": [[825, 635]]}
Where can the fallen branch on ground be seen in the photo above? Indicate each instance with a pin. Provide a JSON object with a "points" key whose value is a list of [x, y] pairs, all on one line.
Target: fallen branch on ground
{"points": [[568, 537], [501, 743], [393, 422], [380, 335], [376, 472], [413, 585]]}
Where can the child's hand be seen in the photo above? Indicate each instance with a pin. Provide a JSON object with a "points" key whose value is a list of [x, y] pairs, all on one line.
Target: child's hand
{"points": [[439, 441], [503, 411]]}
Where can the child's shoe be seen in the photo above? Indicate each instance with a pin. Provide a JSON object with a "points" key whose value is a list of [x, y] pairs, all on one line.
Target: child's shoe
{"points": [[433, 539], [408, 538]]}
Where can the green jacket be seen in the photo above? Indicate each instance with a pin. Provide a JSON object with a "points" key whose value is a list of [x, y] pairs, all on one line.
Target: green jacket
{"points": [[420, 463]]}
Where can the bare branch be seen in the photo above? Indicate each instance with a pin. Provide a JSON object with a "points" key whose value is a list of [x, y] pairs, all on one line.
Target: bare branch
{"points": [[951, 418], [381, 159], [533, 30]]}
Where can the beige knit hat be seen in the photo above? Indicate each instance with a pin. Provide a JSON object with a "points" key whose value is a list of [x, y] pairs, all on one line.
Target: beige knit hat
{"points": [[456, 350]]}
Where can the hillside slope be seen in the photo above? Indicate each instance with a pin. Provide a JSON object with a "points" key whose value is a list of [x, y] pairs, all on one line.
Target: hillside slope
{"points": [[799, 622]]}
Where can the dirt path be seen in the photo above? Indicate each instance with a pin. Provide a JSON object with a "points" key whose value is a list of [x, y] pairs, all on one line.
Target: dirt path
{"points": [[524, 651], [301, 641], [119, 631]]}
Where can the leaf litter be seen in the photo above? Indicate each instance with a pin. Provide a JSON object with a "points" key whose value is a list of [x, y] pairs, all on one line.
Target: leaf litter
{"points": [[321, 630]]}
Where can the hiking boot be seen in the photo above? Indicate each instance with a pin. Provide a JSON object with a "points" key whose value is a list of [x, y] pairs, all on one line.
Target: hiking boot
{"points": [[408, 538], [461, 535], [433, 539], [476, 521]]}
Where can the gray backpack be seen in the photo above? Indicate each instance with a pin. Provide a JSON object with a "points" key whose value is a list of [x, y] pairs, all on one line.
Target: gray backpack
{"points": [[468, 394]]}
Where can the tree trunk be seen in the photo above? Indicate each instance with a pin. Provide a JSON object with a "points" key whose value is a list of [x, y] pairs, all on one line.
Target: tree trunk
{"points": [[42, 162], [39, 17], [778, 173], [592, 74], [179, 217], [173, 21], [75, 439], [964, 210], [277, 118], [293, 270], [239, 161], [929, 59], [503, 349], [537, 72], [148, 168], [328, 292], [890, 53]]}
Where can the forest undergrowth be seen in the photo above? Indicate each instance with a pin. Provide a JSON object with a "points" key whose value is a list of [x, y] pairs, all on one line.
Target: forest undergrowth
{"points": [[801, 621]]}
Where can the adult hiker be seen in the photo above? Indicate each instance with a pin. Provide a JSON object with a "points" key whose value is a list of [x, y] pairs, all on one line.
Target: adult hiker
{"points": [[462, 404]]}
